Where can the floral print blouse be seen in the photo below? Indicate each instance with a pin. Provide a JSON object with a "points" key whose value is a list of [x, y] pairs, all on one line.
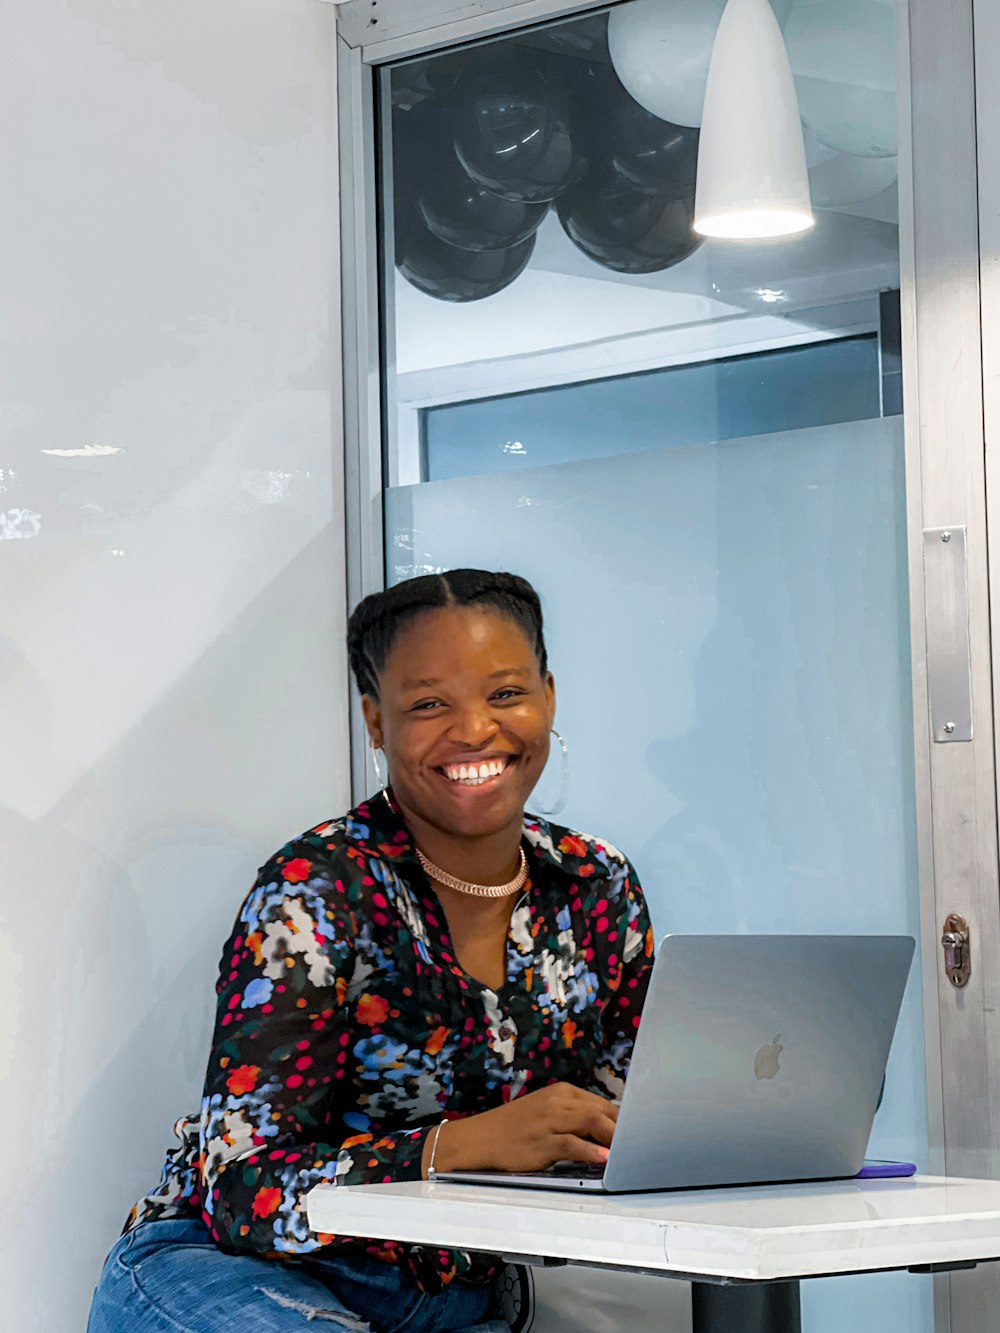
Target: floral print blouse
{"points": [[346, 1029]]}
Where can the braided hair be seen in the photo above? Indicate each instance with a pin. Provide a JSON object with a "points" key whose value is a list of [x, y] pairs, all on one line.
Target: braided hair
{"points": [[377, 620]]}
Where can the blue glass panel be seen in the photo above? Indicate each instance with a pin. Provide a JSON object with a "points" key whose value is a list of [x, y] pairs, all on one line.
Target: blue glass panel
{"points": [[815, 385]]}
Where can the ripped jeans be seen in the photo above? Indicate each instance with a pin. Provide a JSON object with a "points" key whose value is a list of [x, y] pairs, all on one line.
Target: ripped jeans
{"points": [[170, 1277]]}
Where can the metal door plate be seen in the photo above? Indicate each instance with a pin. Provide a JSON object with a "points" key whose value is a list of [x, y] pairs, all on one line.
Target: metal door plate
{"points": [[946, 615]]}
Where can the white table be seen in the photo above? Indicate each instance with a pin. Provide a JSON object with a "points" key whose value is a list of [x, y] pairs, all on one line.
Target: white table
{"points": [[745, 1249]]}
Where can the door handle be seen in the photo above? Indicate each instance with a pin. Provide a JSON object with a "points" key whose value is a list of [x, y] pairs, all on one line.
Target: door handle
{"points": [[957, 949]]}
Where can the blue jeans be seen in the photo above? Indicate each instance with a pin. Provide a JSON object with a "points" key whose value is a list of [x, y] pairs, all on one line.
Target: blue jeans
{"points": [[170, 1277]]}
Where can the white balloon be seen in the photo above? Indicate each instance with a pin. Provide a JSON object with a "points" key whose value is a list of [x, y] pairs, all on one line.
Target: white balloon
{"points": [[843, 56], [845, 179], [660, 50], [816, 152]]}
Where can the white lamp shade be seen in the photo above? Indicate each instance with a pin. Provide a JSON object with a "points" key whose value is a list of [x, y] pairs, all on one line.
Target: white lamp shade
{"points": [[660, 49], [752, 178]]}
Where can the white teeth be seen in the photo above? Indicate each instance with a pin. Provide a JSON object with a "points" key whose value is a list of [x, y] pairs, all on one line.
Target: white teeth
{"points": [[471, 776]]}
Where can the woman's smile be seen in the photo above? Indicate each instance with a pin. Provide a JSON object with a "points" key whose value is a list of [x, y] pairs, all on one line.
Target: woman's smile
{"points": [[476, 774]]}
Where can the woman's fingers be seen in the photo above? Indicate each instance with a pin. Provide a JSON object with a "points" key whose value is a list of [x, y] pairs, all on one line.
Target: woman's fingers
{"points": [[598, 1103], [591, 1116], [532, 1132], [600, 1127], [571, 1148]]}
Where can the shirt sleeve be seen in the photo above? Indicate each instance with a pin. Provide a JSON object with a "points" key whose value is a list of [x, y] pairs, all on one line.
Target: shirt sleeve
{"points": [[282, 1038], [628, 985]]}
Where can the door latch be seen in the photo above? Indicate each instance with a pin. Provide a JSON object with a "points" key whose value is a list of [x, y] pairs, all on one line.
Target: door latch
{"points": [[957, 951]]}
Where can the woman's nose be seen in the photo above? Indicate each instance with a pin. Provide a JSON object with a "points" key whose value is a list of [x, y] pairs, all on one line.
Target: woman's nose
{"points": [[473, 725]]}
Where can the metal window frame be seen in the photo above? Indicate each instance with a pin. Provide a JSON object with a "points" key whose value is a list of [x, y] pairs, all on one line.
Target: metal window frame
{"points": [[946, 483], [394, 29]]}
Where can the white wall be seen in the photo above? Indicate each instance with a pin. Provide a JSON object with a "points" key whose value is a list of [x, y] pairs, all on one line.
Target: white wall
{"points": [[172, 680]]}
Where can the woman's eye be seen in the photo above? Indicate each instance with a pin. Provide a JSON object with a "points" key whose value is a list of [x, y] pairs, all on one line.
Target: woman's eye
{"points": [[431, 705]]}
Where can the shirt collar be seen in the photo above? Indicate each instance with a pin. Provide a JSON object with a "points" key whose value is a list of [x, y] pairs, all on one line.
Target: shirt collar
{"points": [[377, 828]]}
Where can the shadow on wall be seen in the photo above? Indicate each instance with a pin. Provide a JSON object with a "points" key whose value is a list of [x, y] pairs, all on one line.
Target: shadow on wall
{"points": [[115, 908]]}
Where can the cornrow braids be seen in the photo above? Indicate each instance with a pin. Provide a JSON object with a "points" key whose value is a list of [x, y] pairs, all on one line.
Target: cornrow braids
{"points": [[377, 620]]}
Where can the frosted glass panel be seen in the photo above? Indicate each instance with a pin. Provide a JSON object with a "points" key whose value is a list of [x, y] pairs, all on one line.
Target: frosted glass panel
{"points": [[727, 625]]}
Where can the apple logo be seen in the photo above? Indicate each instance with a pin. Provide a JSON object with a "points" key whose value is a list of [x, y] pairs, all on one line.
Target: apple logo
{"points": [[765, 1062]]}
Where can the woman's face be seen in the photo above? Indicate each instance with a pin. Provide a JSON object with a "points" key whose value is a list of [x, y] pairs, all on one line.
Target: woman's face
{"points": [[462, 688]]}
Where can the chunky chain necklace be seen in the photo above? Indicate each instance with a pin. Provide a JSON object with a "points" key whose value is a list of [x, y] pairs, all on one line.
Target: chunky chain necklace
{"points": [[476, 890]]}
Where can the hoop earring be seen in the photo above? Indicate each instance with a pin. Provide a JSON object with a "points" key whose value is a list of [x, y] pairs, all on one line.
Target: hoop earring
{"points": [[560, 800], [375, 764]]}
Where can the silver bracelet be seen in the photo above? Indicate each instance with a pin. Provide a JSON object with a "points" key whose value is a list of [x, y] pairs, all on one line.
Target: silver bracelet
{"points": [[431, 1173]]}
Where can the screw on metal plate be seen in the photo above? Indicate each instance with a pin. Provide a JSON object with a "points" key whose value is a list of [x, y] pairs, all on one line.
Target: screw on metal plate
{"points": [[949, 727], [957, 949], [946, 536]]}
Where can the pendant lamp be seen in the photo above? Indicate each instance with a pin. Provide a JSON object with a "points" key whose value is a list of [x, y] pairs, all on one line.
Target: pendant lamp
{"points": [[752, 178]]}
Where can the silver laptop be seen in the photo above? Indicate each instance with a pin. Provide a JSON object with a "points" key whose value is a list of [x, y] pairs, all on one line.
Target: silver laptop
{"points": [[758, 1058]]}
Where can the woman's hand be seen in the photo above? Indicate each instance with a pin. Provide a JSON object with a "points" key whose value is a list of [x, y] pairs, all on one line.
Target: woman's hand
{"points": [[557, 1123]]}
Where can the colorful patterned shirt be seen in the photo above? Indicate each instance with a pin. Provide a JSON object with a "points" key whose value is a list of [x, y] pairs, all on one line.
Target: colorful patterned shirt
{"points": [[346, 1029]]}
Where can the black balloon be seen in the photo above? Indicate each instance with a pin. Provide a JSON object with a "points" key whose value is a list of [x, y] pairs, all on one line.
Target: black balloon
{"points": [[647, 152], [511, 126], [415, 81], [460, 211], [650, 153], [448, 273], [421, 143], [627, 230], [453, 207]]}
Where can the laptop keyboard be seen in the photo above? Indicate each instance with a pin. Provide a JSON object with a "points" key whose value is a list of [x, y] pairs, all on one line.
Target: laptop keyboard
{"points": [[574, 1170]]}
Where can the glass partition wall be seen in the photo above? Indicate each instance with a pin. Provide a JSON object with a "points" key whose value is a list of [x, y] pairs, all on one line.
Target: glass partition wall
{"points": [[692, 445]]}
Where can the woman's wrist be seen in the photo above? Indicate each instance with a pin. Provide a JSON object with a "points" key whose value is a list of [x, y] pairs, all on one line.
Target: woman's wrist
{"points": [[432, 1167], [446, 1147], [430, 1161]]}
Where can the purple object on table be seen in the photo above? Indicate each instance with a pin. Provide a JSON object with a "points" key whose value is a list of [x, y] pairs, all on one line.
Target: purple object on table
{"points": [[873, 1170]]}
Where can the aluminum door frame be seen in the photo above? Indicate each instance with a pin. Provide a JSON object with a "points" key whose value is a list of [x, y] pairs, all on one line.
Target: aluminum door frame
{"points": [[943, 330], [966, 869]]}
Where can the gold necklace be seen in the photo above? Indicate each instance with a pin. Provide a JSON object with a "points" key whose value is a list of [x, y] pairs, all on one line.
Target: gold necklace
{"points": [[476, 890]]}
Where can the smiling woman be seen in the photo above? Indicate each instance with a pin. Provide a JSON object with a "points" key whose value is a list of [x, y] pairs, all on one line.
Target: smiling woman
{"points": [[462, 705], [435, 981]]}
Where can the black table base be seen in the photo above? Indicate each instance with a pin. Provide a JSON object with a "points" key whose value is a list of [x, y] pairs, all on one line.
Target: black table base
{"points": [[745, 1307], [718, 1305]]}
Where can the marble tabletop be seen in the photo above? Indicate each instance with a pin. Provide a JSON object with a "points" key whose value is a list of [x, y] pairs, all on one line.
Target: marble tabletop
{"points": [[758, 1232]]}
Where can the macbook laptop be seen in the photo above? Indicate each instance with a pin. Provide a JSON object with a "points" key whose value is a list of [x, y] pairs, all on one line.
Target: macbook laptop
{"points": [[758, 1058]]}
